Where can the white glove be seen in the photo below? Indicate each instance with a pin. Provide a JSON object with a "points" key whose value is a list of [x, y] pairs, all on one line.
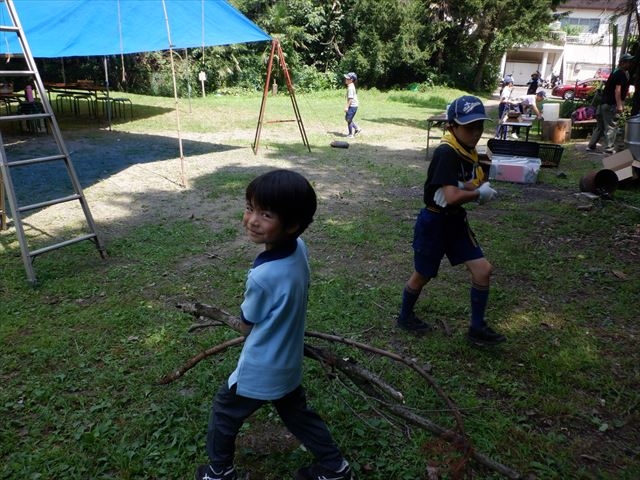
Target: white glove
{"points": [[438, 197], [486, 193]]}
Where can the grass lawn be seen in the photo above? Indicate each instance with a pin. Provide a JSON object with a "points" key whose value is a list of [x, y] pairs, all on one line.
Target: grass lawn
{"points": [[83, 351]]}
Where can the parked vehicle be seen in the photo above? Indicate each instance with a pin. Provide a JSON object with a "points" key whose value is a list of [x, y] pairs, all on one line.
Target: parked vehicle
{"points": [[603, 73], [579, 89]]}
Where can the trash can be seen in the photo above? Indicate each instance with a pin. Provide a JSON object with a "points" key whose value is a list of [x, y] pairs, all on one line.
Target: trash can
{"points": [[632, 136]]}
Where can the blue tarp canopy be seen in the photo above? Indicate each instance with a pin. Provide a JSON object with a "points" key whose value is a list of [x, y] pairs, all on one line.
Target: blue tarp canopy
{"points": [[68, 28]]}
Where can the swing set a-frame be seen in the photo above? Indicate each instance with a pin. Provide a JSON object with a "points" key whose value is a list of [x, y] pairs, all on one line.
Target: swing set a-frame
{"points": [[276, 50]]}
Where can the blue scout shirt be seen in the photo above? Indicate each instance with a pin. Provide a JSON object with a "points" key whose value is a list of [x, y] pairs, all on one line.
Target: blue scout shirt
{"points": [[275, 302]]}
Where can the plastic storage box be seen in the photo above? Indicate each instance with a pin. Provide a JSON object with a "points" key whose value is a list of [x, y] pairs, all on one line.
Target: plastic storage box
{"points": [[517, 169]]}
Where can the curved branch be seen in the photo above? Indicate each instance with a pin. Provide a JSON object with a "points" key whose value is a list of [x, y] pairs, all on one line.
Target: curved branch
{"points": [[193, 361]]}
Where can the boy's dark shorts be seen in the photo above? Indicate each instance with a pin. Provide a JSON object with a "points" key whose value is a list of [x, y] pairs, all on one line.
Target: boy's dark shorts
{"points": [[437, 234]]}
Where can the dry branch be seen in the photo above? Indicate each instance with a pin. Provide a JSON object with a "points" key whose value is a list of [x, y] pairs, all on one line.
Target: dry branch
{"points": [[170, 377], [369, 383]]}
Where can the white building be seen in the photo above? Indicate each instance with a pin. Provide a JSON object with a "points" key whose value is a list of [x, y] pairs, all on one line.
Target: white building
{"points": [[574, 57]]}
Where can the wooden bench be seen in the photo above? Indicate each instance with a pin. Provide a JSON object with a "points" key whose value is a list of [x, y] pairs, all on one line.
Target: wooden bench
{"points": [[580, 125]]}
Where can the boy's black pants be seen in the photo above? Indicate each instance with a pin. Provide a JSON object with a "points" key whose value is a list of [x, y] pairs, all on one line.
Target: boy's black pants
{"points": [[229, 411]]}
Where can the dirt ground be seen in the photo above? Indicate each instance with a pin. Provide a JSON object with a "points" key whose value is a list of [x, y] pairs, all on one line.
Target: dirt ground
{"points": [[135, 176]]}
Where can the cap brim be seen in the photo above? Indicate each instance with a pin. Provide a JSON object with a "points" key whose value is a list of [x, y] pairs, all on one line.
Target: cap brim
{"points": [[471, 118]]}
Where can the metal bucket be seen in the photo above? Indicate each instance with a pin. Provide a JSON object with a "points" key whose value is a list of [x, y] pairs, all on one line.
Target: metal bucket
{"points": [[632, 136], [600, 182]]}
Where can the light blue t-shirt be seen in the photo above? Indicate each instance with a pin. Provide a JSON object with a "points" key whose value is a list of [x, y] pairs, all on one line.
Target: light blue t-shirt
{"points": [[275, 302]]}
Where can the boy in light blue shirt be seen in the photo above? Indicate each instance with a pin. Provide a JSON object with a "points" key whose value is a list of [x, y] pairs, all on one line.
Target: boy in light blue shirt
{"points": [[280, 206]]}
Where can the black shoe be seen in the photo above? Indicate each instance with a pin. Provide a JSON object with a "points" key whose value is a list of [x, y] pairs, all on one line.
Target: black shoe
{"points": [[206, 472], [413, 324], [592, 149], [316, 472], [485, 336]]}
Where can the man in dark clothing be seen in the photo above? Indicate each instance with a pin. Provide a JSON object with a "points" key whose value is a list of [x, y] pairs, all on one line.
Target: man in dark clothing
{"points": [[533, 83], [613, 95]]}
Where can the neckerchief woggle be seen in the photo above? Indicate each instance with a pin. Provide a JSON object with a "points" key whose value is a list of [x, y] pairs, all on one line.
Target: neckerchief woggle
{"points": [[469, 156]]}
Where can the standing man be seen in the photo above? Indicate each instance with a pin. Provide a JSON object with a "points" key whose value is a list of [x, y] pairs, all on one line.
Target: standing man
{"points": [[612, 106], [532, 85]]}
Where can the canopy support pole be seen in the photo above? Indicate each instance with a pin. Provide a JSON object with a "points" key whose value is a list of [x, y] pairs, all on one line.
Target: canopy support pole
{"points": [[183, 181]]}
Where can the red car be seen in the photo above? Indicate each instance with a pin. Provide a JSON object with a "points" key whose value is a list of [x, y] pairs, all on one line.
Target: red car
{"points": [[579, 89]]}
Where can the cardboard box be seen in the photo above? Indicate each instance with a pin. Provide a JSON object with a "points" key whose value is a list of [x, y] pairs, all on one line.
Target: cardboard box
{"points": [[623, 164], [516, 169]]}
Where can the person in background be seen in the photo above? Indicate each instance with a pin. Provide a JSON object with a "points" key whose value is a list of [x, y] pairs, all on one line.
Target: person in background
{"points": [[534, 83], [28, 91], [504, 105], [280, 205], [613, 95], [454, 178], [530, 102], [352, 105]]}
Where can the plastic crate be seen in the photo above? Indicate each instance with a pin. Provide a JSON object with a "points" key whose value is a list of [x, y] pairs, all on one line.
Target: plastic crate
{"points": [[550, 154], [513, 147]]}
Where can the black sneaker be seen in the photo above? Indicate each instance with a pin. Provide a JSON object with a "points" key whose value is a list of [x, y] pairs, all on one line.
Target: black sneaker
{"points": [[485, 336], [413, 324], [592, 149], [357, 132], [316, 472], [206, 472]]}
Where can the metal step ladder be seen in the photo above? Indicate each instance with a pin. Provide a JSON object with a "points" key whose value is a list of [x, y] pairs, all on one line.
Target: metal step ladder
{"points": [[34, 116]]}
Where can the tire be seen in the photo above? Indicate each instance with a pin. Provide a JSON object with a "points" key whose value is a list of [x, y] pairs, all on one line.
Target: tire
{"points": [[569, 95]]}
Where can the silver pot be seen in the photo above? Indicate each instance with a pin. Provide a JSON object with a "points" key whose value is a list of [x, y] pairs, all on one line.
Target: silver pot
{"points": [[632, 136]]}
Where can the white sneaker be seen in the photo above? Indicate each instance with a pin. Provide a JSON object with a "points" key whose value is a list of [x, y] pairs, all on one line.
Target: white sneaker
{"points": [[350, 135], [514, 136]]}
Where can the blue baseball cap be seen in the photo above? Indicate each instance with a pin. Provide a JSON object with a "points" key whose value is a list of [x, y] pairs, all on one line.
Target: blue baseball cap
{"points": [[466, 109], [351, 76]]}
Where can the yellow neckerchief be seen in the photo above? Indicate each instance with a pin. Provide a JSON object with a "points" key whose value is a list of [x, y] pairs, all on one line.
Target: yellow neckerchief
{"points": [[469, 156]]}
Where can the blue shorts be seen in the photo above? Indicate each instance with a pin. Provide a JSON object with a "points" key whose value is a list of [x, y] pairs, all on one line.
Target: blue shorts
{"points": [[437, 234]]}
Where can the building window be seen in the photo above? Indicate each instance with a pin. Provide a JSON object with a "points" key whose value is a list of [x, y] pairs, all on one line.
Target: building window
{"points": [[588, 25]]}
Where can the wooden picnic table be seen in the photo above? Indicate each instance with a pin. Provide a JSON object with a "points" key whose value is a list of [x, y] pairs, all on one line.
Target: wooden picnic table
{"points": [[74, 92], [439, 119]]}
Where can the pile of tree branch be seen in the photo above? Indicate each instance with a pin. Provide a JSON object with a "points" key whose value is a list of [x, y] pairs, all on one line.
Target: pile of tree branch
{"points": [[376, 389]]}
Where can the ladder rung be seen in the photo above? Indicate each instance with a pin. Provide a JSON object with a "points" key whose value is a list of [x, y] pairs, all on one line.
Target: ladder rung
{"points": [[19, 118], [9, 28], [16, 73], [81, 238], [48, 203], [30, 161]]}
